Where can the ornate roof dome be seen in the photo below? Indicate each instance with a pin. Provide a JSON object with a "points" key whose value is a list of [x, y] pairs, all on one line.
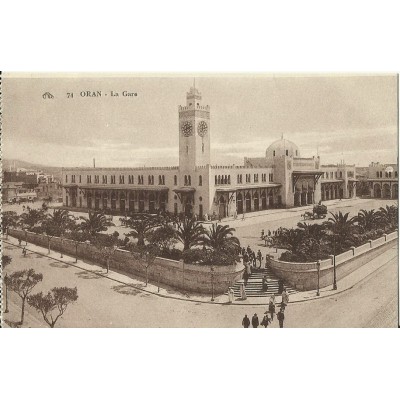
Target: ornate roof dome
{"points": [[282, 147]]}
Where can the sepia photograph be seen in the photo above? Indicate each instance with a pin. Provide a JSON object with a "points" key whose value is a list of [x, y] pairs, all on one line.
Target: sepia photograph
{"points": [[225, 200]]}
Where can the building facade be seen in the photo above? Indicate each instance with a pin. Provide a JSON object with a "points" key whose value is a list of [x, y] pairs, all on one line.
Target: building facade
{"points": [[383, 180], [281, 179]]}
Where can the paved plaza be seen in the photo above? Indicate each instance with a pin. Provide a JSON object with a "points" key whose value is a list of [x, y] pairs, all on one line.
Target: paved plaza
{"points": [[124, 301]]}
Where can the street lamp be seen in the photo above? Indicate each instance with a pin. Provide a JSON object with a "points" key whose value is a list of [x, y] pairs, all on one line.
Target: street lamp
{"points": [[318, 271], [212, 283], [334, 262]]}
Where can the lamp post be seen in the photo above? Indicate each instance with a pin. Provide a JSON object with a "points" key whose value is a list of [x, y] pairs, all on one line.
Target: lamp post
{"points": [[212, 283], [6, 284], [334, 262], [318, 272]]}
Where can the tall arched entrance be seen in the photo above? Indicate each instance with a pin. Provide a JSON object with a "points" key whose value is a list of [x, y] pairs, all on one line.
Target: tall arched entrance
{"points": [[152, 203], [113, 201], [141, 201], [297, 198], [222, 207], [263, 200], [122, 202], [303, 198], [89, 199], [386, 191], [105, 201], [131, 202], [377, 190], [256, 201], [239, 202], [97, 200], [163, 201], [248, 202]]}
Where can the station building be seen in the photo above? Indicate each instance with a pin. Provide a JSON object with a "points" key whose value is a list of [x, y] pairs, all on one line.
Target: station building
{"points": [[280, 179], [383, 180]]}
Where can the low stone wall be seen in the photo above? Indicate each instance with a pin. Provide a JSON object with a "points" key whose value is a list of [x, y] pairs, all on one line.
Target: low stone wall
{"points": [[304, 276], [177, 274]]}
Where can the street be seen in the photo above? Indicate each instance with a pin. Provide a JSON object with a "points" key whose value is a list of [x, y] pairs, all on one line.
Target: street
{"points": [[104, 303]]}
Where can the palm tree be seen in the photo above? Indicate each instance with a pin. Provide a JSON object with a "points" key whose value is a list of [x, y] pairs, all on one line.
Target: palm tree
{"points": [[141, 226], [342, 229], [388, 216], [220, 237], [312, 231], [9, 220], [189, 232], [367, 220], [32, 218], [95, 223]]}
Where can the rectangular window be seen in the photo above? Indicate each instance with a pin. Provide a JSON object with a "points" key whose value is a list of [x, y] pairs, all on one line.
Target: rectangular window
{"points": [[121, 179], [377, 174], [113, 179], [395, 174], [96, 179], [89, 179], [255, 178], [73, 178], [80, 178], [104, 179], [66, 178]]}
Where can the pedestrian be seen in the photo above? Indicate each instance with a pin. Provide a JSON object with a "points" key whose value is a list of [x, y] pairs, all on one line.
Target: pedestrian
{"points": [[254, 321], [265, 283], [248, 267], [285, 298], [245, 277], [281, 317], [24, 251], [266, 321], [271, 306], [259, 256], [235, 214], [19, 241], [231, 295], [280, 289], [246, 322], [242, 291], [253, 255], [248, 249]]}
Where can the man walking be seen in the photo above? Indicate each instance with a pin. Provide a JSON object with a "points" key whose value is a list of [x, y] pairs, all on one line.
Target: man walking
{"points": [[246, 322], [266, 321], [254, 321], [259, 256], [285, 298], [271, 306], [281, 317]]}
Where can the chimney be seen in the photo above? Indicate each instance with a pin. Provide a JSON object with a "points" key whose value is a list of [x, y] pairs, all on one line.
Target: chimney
{"points": [[94, 163]]}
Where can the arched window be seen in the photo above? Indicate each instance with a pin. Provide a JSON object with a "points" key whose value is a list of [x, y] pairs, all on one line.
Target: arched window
{"points": [[219, 179], [189, 180], [175, 180], [274, 153], [200, 180], [186, 180], [229, 179], [202, 147], [216, 180]]}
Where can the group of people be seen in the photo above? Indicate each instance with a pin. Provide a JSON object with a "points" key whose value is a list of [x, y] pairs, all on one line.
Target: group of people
{"points": [[269, 314]]}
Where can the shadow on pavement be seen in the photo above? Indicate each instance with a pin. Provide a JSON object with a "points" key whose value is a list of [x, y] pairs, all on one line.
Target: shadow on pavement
{"points": [[90, 275], [12, 324], [58, 264], [130, 290]]}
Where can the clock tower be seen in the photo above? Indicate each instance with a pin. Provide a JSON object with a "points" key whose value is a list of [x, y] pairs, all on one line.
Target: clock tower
{"points": [[194, 133]]}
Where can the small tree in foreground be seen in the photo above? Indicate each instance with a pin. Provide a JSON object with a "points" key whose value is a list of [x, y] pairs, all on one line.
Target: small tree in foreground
{"points": [[54, 304], [22, 283]]}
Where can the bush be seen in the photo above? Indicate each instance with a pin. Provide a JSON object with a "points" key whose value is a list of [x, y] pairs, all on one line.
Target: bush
{"points": [[208, 257]]}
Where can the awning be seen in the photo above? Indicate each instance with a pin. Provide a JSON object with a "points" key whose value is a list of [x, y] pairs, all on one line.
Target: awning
{"points": [[248, 187], [298, 174], [187, 189], [142, 188]]}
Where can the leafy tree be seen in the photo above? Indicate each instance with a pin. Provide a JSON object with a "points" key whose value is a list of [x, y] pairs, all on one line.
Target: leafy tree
{"points": [[189, 232], [145, 256], [9, 220], [220, 237], [22, 283], [57, 299], [5, 260], [141, 227], [107, 245], [163, 237], [96, 222]]}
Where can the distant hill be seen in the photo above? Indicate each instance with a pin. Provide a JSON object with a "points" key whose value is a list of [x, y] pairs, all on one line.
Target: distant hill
{"points": [[14, 164]]}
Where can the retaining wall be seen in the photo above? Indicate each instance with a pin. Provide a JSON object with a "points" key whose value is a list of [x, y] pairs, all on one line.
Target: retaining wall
{"points": [[304, 276], [177, 274]]}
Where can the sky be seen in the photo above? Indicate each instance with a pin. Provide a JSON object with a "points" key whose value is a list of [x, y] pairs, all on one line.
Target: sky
{"points": [[340, 117]]}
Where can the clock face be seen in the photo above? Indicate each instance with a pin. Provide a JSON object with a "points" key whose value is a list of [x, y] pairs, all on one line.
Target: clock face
{"points": [[187, 128], [202, 128]]}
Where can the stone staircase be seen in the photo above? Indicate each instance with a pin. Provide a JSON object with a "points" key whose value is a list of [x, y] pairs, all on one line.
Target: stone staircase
{"points": [[254, 284]]}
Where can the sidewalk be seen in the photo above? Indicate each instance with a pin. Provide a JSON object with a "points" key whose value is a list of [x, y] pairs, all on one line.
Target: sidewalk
{"points": [[280, 213], [344, 284]]}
